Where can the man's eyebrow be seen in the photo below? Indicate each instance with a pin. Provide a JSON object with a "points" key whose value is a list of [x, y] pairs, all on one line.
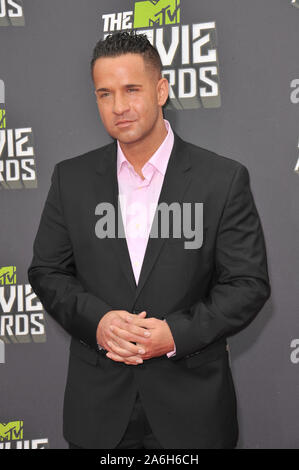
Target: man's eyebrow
{"points": [[102, 89], [130, 85]]}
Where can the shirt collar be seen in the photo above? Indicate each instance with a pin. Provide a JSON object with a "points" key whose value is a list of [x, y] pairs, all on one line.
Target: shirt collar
{"points": [[159, 159]]}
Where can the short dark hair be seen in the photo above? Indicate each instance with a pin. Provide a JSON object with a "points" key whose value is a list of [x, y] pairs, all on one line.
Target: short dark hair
{"points": [[127, 43]]}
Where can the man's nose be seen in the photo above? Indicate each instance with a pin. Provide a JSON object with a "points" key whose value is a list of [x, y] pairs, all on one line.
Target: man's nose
{"points": [[121, 104]]}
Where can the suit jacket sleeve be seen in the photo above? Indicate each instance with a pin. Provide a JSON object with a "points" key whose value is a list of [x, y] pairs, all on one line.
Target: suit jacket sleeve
{"points": [[52, 274], [241, 283]]}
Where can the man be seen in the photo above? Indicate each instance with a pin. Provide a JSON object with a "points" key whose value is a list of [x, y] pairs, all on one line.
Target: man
{"points": [[149, 317]]}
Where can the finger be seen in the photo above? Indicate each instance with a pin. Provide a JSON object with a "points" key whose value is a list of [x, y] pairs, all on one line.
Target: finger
{"points": [[131, 334], [132, 316], [128, 326], [131, 349], [141, 322], [131, 360], [128, 345], [123, 314]]}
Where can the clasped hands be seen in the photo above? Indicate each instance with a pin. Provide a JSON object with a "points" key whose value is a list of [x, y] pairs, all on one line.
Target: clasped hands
{"points": [[118, 330]]}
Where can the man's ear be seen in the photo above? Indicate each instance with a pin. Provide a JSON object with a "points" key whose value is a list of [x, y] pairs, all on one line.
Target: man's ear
{"points": [[162, 91]]}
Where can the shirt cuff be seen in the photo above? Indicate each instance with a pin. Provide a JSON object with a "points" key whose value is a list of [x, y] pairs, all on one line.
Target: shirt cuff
{"points": [[171, 353]]}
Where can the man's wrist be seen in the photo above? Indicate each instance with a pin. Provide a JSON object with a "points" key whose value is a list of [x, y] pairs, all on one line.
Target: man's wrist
{"points": [[171, 352]]}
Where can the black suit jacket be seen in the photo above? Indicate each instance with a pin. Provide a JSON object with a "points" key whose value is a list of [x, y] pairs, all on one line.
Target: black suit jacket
{"points": [[205, 295]]}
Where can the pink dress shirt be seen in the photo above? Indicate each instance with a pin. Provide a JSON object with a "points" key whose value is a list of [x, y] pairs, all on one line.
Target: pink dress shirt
{"points": [[139, 198]]}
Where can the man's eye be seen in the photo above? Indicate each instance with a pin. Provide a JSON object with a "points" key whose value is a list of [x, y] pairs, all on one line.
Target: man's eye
{"points": [[132, 89], [103, 95]]}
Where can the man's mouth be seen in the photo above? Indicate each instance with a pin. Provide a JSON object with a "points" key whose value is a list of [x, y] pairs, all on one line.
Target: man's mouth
{"points": [[123, 123]]}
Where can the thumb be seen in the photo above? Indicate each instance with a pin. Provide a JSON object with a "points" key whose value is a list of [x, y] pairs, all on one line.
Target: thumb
{"points": [[141, 313]]}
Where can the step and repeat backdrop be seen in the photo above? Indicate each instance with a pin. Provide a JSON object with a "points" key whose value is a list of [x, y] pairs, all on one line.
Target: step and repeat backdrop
{"points": [[233, 70]]}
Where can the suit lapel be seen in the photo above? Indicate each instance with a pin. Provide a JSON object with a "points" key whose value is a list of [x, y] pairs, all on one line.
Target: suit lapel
{"points": [[176, 180], [175, 183], [107, 191]]}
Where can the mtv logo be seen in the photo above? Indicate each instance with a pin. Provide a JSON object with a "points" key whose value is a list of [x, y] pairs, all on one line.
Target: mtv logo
{"points": [[12, 431], [8, 276], [156, 13], [2, 119]]}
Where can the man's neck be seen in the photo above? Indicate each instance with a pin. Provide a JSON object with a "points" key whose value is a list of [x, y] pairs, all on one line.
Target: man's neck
{"points": [[138, 153]]}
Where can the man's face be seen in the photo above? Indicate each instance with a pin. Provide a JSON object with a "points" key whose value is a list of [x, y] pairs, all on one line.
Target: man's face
{"points": [[129, 96]]}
